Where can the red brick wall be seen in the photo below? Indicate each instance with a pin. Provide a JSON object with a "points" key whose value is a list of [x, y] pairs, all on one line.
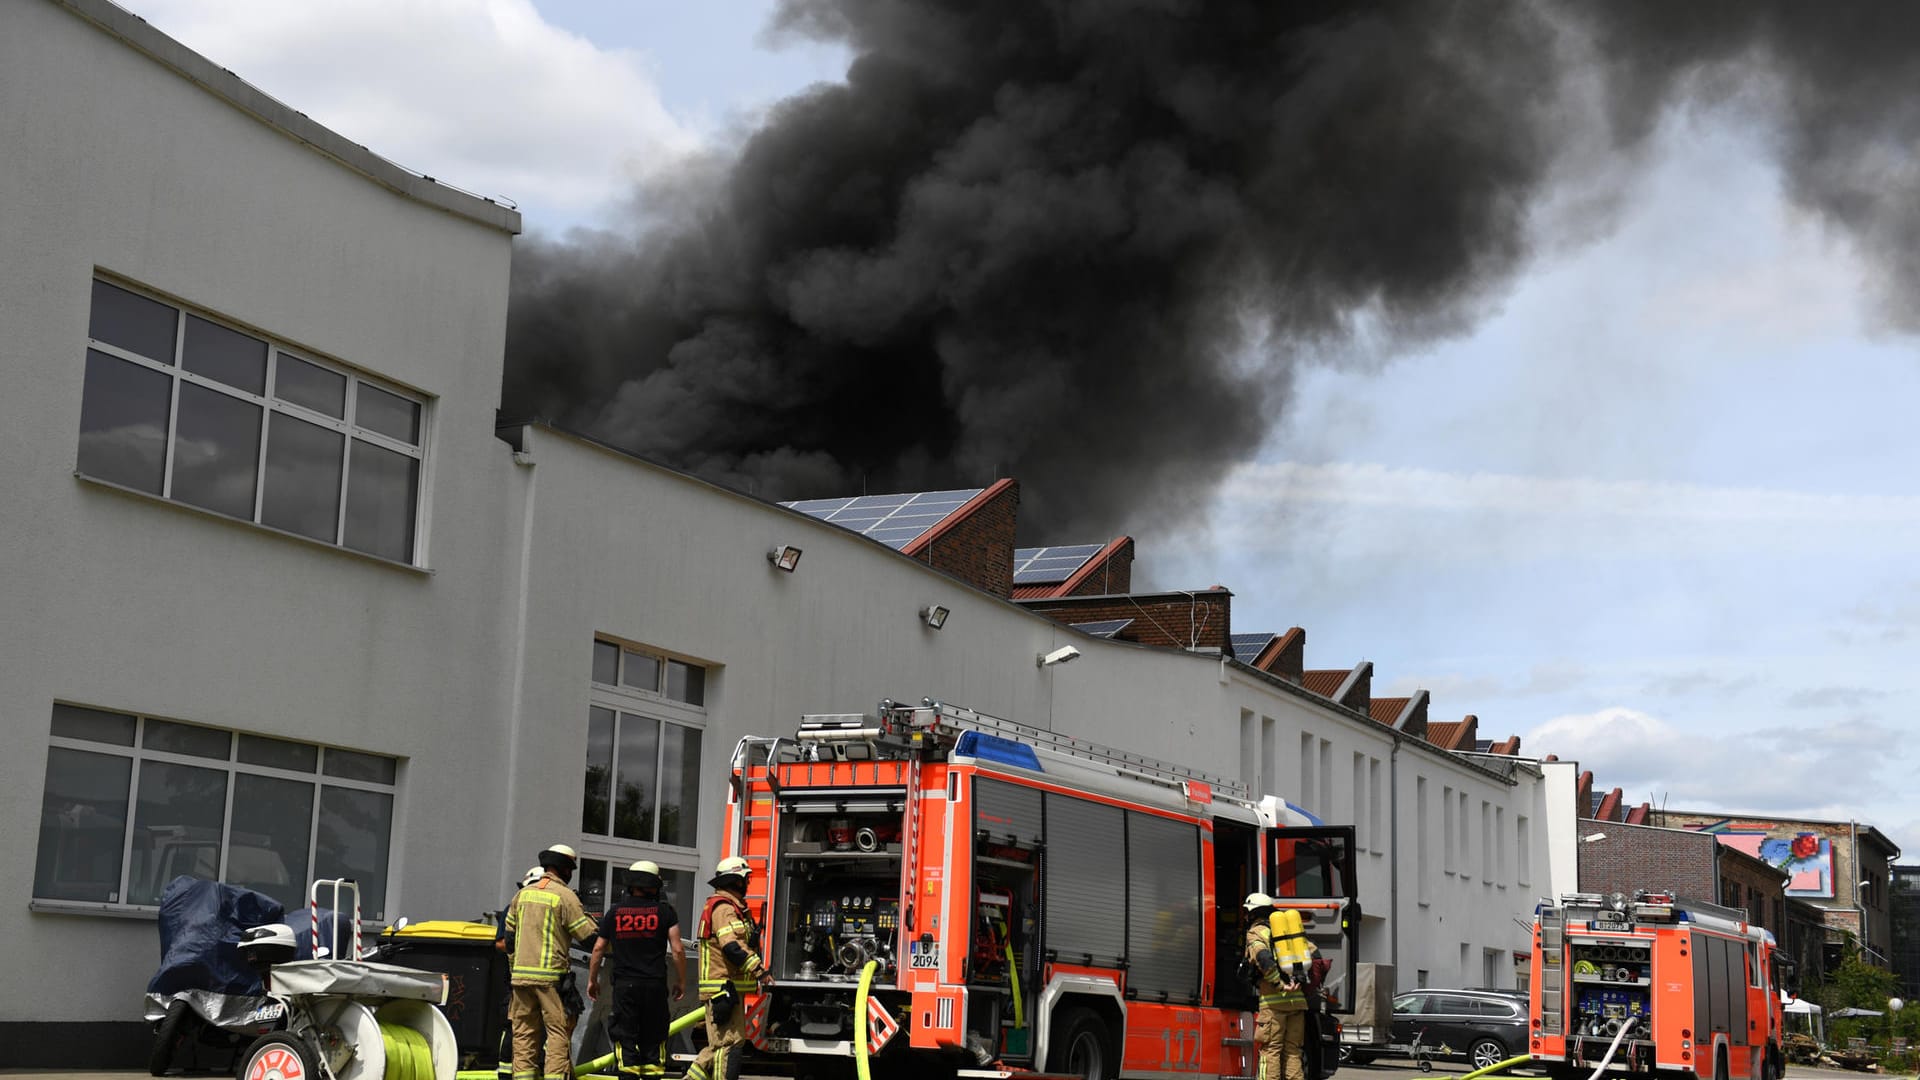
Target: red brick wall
{"points": [[1113, 577], [1747, 882], [1290, 663], [1631, 858], [978, 549], [1157, 620]]}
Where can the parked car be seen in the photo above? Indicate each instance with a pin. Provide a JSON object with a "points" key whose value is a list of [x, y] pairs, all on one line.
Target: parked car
{"points": [[1484, 1026]]}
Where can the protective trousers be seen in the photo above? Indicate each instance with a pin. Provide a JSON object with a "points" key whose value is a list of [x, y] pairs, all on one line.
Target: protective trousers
{"points": [[640, 1020], [1280, 1034], [536, 1013], [720, 1058]]}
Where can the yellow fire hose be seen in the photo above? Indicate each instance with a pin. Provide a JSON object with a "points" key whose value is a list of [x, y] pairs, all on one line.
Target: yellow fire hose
{"points": [[1499, 1067], [408, 1055], [860, 1019], [589, 1068], [1019, 1008]]}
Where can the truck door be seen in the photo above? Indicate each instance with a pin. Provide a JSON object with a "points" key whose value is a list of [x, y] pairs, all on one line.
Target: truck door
{"points": [[1310, 870]]}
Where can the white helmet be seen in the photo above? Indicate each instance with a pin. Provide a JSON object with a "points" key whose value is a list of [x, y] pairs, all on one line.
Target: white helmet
{"points": [[645, 866], [1256, 901], [533, 874], [731, 866]]}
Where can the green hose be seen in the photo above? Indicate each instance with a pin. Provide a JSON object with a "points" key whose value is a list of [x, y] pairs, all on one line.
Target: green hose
{"points": [[408, 1055], [860, 1019], [1501, 1066]]}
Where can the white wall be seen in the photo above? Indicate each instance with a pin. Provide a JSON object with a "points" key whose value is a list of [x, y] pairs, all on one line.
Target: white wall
{"points": [[112, 161]]}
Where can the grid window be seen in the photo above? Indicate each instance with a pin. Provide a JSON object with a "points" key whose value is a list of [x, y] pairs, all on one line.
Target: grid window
{"points": [[180, 406], [133, 802], [645, 723]]}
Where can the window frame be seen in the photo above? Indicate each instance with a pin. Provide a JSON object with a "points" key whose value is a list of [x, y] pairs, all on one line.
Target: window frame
{"points": [[656, 706], [268, 404], [231, 765]]}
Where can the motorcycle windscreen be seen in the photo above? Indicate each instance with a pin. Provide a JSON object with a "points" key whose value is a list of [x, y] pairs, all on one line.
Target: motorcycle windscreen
{"points": [[1310, 870]]}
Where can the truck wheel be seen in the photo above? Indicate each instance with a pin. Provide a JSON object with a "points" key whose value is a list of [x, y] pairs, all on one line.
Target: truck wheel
{"points": [[1080, 1046], [1487, 1053], [1720, 1065], [169, 1037], [275, 1056]]}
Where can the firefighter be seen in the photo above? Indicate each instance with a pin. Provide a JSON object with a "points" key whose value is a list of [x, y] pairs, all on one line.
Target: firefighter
{"points": [[729, 961], [642, 932], [1280, 1029], [545, 919]]}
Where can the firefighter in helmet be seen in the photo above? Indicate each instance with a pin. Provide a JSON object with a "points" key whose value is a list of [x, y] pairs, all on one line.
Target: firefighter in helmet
{"points": [[1280, 1028], [642, 932], [544, 919], [730, 966]]}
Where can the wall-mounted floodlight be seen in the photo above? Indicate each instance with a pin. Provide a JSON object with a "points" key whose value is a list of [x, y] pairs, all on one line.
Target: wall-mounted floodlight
{"points": [[1593, 838], [1058, 656], [1866, 883], [784, 557], [934, 615]]}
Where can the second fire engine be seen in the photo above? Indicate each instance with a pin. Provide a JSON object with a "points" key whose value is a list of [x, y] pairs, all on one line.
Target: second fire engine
{"points": [[942, 889]]}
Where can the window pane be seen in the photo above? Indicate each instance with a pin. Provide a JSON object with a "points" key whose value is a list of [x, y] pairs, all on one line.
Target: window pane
{"points": [[593, 886], [186, 739], [74, 722], [354, 827], [686, 682], [132, 322], [123, 423], [677, 887], [83, 826], [641, 670], [348, 765], [380, 497], [267, 852], [217, 451], [226, 355], [176, 827], [389, 414], [310, 385], [606, 662], [680, 785], [303, 478], [593, 805], [279, 754], [634, 795]]}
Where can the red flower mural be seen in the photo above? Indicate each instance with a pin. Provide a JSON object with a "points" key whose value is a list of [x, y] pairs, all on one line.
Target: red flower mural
{"points": [[1806, 846]]}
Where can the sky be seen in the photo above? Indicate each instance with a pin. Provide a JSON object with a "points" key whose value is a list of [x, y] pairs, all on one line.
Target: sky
{"points": [[1655, 511]]}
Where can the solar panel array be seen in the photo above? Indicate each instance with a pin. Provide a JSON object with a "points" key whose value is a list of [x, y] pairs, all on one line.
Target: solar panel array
{"points": [[1104, 628], [894, 520], [1248, 646], [1051, 565]]}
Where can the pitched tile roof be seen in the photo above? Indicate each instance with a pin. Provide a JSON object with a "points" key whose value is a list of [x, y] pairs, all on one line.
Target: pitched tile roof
{"points": [[1040, 572], [1324, 681], [1460, 734], [1387, 709]]}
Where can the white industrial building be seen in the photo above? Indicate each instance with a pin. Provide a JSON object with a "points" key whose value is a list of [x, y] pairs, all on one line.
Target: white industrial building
{"points": [[283, 605]]}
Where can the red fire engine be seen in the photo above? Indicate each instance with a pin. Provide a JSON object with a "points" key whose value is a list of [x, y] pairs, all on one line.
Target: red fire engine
{"points": [[1007, 900], [1655, 985]]}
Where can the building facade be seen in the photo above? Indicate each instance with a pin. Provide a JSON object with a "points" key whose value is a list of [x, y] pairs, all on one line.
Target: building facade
{"points": [[287, 607]]}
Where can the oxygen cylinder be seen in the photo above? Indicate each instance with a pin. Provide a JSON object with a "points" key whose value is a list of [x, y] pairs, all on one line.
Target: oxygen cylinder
{"points": [[1290, 948]]}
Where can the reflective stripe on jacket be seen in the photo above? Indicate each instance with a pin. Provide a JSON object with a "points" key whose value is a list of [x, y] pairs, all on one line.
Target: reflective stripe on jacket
{"points": [[725, 920], [544, 919], [1273, 992]]}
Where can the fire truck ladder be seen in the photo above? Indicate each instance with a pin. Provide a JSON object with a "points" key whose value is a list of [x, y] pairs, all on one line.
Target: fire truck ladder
{"points": [[744, 788], [947, 722]]}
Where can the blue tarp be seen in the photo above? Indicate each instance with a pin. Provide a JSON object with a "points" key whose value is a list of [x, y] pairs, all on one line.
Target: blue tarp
{"points": [[200, 925]]}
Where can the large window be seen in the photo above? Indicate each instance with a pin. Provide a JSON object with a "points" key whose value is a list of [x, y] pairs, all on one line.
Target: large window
{"points": [[644, 727], [132, 802], [183, 407]]}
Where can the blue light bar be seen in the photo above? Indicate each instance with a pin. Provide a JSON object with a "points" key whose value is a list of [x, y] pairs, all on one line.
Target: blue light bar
{"points": [[985, 747], [1311, 817]]}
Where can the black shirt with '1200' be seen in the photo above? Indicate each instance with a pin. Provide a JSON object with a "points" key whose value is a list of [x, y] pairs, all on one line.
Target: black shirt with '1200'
{"points": [[635, 931]]}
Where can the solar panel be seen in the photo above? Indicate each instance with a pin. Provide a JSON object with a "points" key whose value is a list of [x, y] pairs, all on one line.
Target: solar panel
{"points": [[894, 520], [1248, 646], [1051, 565], [1105, 628]]}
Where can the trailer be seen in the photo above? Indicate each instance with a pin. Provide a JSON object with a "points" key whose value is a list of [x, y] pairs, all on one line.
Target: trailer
{"points": [[939, 888]]}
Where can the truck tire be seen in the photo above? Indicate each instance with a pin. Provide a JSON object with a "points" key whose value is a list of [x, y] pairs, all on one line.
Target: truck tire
{"points": [[1080, 1045], [275, 1056], [170, 1036]]}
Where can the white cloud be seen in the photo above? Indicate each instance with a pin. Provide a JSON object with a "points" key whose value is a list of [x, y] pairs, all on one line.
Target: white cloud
{"points": [[481, 94], [1830, 770]]}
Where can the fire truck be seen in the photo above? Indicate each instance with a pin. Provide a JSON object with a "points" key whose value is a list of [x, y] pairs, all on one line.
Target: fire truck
{"points": [[943, 892], [1655, 984]]}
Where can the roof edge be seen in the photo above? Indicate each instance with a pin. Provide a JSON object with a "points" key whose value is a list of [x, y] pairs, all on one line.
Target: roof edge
{"points": [[1086, 568], [961, 513], [146, 39]]}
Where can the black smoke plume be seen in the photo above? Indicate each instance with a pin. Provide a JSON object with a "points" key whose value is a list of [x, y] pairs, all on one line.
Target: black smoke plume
{"points": [[1087, 242]]}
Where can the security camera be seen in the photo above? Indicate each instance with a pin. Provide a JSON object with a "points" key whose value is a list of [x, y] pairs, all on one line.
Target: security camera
{"points": [[1058, 656]]}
